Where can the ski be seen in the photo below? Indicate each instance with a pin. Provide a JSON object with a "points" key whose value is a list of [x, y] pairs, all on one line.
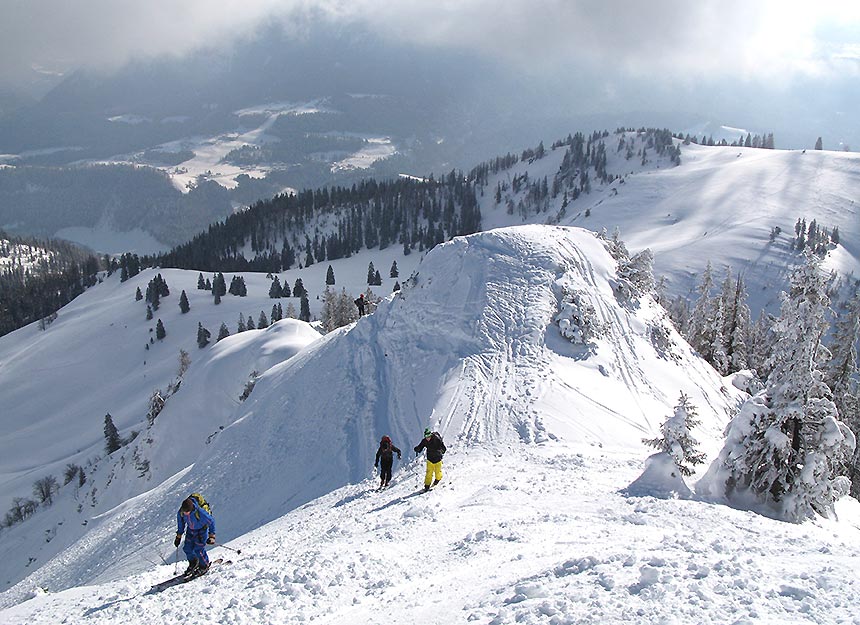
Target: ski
{"points": [[182, 579]]}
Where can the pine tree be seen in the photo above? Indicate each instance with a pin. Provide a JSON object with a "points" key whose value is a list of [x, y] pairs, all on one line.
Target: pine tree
{"points": [[676, 437], [290, 313], [202, 335], [112, 439], [786, 443], [276, 315], [276, 290], [736, 323], [241, 327], [818, 144], [394, 273], [183, 303], [223, 332], [843, 378], [262, 321], [138, 295], [148, 313], [299, 289], [250, 323], [160, 332], [305, 308], [201, 284], [329, 276], [327, 314], [345, 309], [371, 274]]}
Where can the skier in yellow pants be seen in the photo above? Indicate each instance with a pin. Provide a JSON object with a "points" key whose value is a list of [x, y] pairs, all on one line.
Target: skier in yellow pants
{"points": [[432, 442]]}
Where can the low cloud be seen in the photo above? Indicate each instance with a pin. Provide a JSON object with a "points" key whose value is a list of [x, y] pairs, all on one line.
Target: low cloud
{"points": [[656, 40]]}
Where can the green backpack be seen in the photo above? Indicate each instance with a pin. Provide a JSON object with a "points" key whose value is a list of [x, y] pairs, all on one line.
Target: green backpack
{"points": [[200, 502]]}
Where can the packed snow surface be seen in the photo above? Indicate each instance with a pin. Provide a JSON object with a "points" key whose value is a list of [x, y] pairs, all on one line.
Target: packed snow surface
{"points": [[532, 522]]}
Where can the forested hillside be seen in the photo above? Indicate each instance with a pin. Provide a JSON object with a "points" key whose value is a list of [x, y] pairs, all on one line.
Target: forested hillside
{"points": [[37, 278]]}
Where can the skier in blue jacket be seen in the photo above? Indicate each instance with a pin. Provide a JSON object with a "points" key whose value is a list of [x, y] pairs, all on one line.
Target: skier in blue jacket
{"points": [[199, 529]]}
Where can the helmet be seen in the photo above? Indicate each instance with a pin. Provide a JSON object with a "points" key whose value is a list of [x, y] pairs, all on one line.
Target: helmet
{"points": [[427, 432], [385, 439]]}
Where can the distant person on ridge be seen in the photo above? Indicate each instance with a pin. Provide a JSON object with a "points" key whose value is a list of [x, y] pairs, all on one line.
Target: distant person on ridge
{"points": [[360, 304], [385, 453], [432, 442], [199, 528]]}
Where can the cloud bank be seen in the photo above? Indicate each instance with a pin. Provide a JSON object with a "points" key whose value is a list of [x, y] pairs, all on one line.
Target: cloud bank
{"points": [[765, 40]]}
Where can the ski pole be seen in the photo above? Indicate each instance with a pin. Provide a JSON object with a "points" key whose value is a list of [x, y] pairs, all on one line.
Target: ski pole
{"points": [[226, 547]]}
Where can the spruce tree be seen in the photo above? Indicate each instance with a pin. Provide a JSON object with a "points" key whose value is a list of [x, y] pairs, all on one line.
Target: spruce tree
{"points": [[276, 290], [183, 303], [843, 378], [201, 284], [112, 439], [249, 324], [138, 295], [223, 331], [329, 276], [394, 273], [148, 313], [676, 437], [262, 321], [202, 335], [371, 274], [160, 332], [299, 289], [328, 312], [305, 308], [241, 327], [786, 444]]}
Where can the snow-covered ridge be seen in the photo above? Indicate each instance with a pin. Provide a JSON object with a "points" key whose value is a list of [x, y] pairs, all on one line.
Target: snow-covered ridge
{"points": [[531, 523], [470, 347]]}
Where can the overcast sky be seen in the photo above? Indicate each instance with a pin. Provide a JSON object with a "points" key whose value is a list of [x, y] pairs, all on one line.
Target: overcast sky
{"points": [[689, 51], [766, 40]]}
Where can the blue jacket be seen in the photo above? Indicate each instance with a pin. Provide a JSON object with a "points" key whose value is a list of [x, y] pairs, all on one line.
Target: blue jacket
{"points": [[195, 520]]}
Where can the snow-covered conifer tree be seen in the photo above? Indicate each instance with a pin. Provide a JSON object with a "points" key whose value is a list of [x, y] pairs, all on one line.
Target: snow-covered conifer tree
{"points": [[785, 445], [112, 438], [703, 332], [843, 377], [676, 437], [223, 331]]}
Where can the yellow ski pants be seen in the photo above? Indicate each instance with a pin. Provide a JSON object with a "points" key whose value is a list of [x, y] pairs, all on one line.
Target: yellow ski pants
{"points": [[433, 468]]}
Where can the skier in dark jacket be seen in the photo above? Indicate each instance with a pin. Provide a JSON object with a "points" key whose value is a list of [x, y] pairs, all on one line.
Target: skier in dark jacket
{"points": [[359, 303], [199, 529], [432, 442], [385, 453]]}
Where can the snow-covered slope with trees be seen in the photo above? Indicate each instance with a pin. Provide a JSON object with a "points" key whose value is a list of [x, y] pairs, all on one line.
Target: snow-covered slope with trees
{"points": [[543, 368], [722, 204]]}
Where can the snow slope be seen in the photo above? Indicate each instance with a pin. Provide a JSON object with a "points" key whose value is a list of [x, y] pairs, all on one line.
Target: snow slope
{"points": [[720, 205], [530, 524]]}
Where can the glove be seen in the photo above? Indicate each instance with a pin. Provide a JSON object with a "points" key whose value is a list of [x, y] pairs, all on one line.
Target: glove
{"points": [[415, 449], [211, 539], [177, 540], [398, 456]]}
